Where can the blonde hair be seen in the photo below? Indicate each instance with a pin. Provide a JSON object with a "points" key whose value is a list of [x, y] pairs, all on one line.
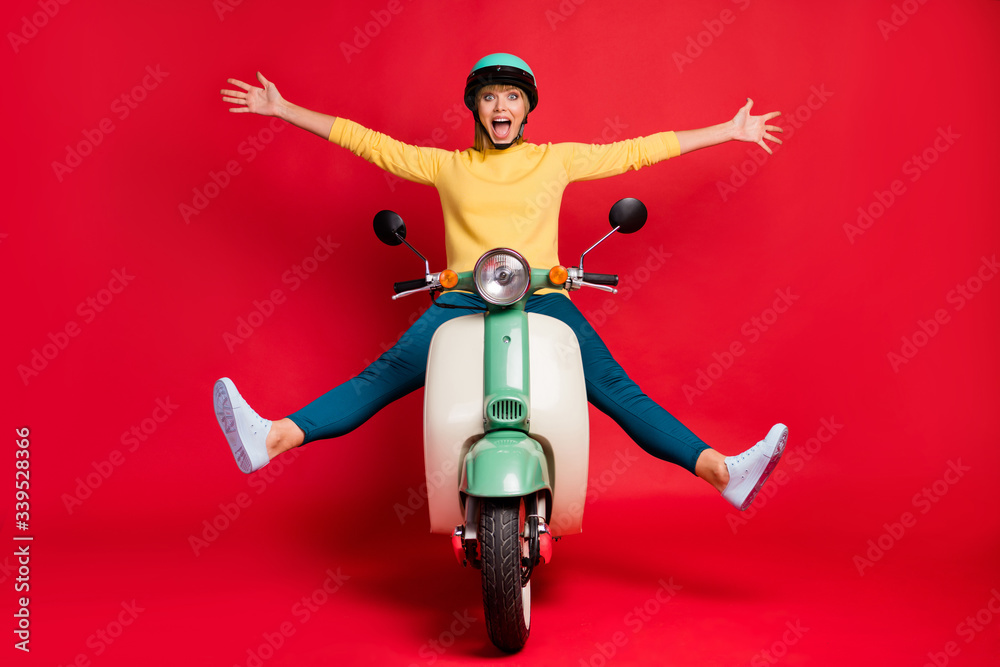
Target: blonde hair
{"points": [[482, 140]]}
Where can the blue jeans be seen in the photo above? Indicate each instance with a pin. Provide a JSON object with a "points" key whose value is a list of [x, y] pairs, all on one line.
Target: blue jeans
{"points": [[401, 370]]}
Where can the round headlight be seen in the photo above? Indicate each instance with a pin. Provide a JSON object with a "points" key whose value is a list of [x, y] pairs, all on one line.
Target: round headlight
{"points": [[502, 276]]}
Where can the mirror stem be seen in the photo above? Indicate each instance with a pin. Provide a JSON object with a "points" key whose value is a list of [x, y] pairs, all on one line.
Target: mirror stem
{"points": [[595, 245], [427, 265]]}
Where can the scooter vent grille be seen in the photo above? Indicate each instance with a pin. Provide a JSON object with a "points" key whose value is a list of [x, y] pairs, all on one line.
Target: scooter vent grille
{"points": [[507, 410]]}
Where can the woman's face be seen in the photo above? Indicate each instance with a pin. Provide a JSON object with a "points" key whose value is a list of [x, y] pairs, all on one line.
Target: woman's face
{"points": [[502, 112]]}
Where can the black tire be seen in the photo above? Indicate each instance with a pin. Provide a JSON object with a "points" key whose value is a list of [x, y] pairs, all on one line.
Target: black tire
{"points": [[506, 584]]}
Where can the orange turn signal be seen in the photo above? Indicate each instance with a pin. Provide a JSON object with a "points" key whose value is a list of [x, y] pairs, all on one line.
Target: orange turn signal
{"points": [[448, 279], [558, 275]]}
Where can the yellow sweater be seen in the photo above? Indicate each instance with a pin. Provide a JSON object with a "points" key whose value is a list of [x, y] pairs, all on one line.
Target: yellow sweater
{"points": [[502, 198]]}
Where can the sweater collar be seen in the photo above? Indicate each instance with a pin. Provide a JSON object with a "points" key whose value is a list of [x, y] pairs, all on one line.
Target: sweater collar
{"points": [[519, 146]]}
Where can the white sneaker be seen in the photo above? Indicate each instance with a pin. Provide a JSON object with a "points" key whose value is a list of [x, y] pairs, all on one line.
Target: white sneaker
{"points": [[749, 470], [245, 430]]}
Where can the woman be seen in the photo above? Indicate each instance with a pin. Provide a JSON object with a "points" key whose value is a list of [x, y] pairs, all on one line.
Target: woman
{"points": [[490, 198]]}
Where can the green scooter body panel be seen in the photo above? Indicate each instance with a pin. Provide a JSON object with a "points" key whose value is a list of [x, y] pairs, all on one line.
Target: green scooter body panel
{"points": [[505, 371], [505, 464]]}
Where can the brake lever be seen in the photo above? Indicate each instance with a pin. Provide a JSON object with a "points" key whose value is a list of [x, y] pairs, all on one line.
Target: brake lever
{"points": [[605, 288], [433, 284], [426, 288], [575, 281]]}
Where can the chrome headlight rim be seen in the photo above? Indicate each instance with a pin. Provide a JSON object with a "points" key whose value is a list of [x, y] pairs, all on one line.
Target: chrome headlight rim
{"points": [[479, 283]]}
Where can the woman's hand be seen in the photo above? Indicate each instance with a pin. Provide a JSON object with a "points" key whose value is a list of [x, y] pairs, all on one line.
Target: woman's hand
{"points": [[743, 127], [266, 101], [755, 128]]}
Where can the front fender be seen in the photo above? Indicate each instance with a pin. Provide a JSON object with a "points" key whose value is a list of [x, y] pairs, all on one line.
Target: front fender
{"points": [[505, 464]]}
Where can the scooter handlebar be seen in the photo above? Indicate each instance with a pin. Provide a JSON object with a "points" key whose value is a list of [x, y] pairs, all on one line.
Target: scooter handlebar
{"points": [[609, 279], [408, 285]]}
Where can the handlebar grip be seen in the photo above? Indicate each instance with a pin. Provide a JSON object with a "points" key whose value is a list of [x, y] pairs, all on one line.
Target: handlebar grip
{"points": [[407, 285], [609, 279]]}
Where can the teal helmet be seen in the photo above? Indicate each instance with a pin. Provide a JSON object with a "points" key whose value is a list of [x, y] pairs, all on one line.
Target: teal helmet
{"points": [[500, 68]]}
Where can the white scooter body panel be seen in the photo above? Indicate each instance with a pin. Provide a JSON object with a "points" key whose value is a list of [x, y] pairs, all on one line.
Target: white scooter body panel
{"points": [[453, 416]]}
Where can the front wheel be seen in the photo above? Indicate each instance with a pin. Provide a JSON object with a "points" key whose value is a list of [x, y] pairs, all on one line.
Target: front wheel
{"points": [[506, 581]]}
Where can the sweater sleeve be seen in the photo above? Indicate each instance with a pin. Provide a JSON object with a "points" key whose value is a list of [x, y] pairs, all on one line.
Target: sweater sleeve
{"points": [[590, 161], [414, 163]]}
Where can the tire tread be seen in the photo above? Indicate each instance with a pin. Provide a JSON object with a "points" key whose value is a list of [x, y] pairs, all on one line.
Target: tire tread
{"points": [[500, 541]]}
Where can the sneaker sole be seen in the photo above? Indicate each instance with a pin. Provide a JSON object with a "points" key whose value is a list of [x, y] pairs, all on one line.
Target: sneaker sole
{"points": [[779, 449], [227, 422]]}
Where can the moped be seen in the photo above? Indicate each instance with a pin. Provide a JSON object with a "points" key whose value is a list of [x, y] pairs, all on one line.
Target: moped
{"points": [[505, 420]]}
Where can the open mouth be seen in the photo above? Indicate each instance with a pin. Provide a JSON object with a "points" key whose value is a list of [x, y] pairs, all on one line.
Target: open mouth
{"points": [[501, 128]]}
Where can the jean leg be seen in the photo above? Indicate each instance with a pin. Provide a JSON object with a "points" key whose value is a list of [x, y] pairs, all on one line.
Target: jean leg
{"points": [[393, 375], [612, 392]]}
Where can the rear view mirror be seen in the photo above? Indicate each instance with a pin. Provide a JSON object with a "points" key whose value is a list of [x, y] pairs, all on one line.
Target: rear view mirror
{"points": [[627, 215], [389, 227]]}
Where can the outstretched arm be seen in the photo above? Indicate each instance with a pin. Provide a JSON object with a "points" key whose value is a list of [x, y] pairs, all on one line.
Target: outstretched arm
{"points": [[743, 127], [267, 101]]}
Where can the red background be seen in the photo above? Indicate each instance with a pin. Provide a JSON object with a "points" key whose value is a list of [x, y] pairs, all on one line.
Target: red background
{"points": [[781, 583]]}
